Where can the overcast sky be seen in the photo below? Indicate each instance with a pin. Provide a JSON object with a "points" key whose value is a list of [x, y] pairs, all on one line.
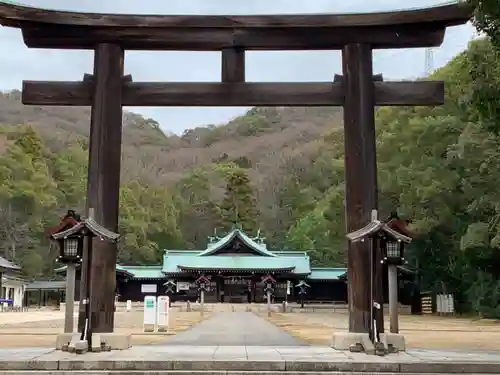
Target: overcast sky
{"points": [[18, 63]]}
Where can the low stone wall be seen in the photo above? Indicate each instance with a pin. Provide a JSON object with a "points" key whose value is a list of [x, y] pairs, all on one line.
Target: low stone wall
{"points": [[120, 306], [249, 307], [340, 308]]}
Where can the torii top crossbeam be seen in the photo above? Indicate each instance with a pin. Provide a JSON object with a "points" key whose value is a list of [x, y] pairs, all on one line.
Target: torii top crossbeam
{"points": [[75, 30]]}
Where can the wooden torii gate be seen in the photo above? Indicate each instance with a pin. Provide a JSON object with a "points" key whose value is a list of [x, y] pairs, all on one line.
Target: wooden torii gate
{"points": [[108, 89]]}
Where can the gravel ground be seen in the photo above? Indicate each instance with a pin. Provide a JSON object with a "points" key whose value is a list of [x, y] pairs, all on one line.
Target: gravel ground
{"points": [[42, 333], [131, 320], [421, 332]]}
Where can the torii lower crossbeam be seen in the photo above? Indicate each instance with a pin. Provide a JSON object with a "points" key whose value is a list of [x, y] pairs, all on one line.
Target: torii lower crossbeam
{"points": [[163, 94]]}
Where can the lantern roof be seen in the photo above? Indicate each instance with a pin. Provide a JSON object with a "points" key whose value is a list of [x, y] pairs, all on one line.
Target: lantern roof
{"points": [[90, 225], [374, 227]]}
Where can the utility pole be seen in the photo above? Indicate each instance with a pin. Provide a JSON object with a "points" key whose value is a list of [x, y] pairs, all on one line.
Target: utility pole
{"points": [[429, 61]]}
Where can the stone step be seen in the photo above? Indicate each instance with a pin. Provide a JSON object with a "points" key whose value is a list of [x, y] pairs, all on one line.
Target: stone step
{"points": [[244, 360], [174, 372], [376, 365]]}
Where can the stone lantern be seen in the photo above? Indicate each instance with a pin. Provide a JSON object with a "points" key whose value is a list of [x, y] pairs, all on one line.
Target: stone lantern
{"points": [[387, 241], [70, 239], [302, 285]]}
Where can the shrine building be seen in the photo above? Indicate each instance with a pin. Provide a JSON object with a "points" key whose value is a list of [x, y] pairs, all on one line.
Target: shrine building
{"points": [[235, 265]]}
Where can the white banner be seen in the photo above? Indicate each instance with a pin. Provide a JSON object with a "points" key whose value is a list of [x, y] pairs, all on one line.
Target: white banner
{"points": [[182, 285], [162, 318], [149, 323], [148, 288]]}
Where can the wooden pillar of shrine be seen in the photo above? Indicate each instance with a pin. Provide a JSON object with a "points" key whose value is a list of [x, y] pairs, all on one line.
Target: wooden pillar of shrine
{"points": [[360, 175], [233, 65], [104, 181]]}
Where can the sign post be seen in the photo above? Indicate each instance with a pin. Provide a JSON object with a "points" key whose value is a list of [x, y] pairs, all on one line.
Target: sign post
{"points": [[162, 317], [149, 323]]}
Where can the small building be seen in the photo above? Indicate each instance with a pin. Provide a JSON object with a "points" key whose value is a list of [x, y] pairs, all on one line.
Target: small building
{"points": [[13, 289], [44, 293], [235, 265], [11, 284]]}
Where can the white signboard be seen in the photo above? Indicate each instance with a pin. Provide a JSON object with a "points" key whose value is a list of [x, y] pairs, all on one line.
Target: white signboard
{"points": [[182, 285], [129, 305], [445, 304], [149, 322], [162, 318], [148, 288]]}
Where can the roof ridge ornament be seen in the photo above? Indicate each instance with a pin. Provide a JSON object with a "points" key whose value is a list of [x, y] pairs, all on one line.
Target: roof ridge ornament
{"points": [[214, 238], [258, 238], [237, 226]]}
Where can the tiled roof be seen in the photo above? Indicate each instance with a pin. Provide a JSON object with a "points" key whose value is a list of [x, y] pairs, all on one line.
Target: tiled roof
{"points": [[373, 227], [6, 265], [326, 273], [96, 229], [144, 272], [119, 269], [173, 262], [46, 285], [177, 261], [259, 248]]}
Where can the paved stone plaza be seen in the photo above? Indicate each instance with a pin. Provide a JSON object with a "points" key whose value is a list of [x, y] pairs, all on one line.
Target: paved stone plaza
{"points": [[250, 358], [231, 343]]}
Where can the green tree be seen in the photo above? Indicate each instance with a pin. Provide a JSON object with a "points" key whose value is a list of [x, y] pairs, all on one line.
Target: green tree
{"points": [[196, 204], [148, 224], [484, 96], [239, 205], [30, 142], [487, 19]]}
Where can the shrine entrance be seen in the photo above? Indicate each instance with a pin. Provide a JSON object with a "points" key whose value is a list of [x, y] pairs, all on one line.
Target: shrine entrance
{"points": [[108, 88], [236, 290]]}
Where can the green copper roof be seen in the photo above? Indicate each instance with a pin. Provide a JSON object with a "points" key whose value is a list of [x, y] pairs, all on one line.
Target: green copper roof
{"points": [[175, 260], [119, 269], [179, 261], [138, 272], [144, 272], [173, 263], [257, 245], [326, 273]]}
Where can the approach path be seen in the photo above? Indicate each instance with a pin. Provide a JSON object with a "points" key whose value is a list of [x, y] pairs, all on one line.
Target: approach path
{"points": [[234, 328]]}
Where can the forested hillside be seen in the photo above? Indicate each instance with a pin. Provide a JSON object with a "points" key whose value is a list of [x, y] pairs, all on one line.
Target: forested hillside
{"points": [[283, 169]]}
